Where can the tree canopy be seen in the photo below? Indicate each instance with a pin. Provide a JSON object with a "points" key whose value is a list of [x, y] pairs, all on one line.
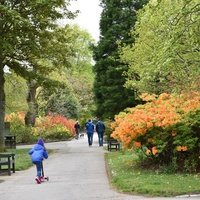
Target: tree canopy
{"points": [[165, 56], [24, 28]]}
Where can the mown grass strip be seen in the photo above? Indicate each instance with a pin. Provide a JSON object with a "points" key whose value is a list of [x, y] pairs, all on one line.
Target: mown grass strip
{"points": [[126, 177], [22, 158]]}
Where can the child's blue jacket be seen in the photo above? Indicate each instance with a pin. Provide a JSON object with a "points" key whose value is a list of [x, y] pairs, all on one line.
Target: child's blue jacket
{"points": [[38, 153]]}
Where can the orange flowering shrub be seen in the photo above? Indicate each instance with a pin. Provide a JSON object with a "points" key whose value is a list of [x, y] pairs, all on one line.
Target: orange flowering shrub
{"points": [[19, 116], [18, 128], [155, 126], [154, 150], [182, 148]]}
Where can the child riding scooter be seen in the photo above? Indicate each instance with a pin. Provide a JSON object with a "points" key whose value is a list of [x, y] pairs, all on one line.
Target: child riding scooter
{"points": [[38, 153]]}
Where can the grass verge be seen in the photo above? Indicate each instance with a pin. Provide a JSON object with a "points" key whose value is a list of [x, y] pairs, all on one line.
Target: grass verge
{"points": [[126, 177], [22, 158]]}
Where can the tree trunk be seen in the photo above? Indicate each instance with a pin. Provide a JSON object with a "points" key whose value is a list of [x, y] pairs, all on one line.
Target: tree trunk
{"points": [[32, 105], [2, 107]]}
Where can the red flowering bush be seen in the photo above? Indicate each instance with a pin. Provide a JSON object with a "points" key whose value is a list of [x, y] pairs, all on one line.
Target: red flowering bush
{"points": [[51, 127], [54, 127], [159, 128]]}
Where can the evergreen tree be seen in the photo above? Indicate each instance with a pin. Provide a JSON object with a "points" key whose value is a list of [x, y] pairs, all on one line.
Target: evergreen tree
{"points": [[117, 20]]}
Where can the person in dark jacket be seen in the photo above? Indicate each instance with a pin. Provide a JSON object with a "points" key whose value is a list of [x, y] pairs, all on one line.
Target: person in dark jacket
{"points": [[100, 129], [38, 153], [77, 128], [90, 131]]}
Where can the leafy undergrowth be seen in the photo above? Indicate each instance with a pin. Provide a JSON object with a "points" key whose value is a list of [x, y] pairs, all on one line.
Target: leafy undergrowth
{"points": [[127, 177]]}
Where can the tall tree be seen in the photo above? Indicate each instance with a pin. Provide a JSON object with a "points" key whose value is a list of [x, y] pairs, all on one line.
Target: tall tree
{"points": [[117, 20], [66, 90], [56, 53], [78, 77], [22, 25], [81, 76], [167, 50]]}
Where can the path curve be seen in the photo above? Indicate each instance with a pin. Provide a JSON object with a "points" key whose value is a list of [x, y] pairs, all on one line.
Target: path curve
{"points": [[76, 172]]}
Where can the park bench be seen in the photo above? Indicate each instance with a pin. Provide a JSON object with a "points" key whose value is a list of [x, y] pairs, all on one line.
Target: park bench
{"points": [[113, 144], [7, 163]]}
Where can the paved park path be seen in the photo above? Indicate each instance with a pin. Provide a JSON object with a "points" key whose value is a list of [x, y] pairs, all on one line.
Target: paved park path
{"points": [[76, 172]]}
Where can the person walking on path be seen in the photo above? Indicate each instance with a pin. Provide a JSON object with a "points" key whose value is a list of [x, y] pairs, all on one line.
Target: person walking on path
{"points": [[77, 128], [100, 128], [38, 153], [90, 131]]}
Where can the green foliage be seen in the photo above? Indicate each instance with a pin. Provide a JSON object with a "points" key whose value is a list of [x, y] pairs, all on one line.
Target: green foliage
{"points": [[56, 133], [117, 19], [188, 135], [31, 32], [81, 84], [60, 101], [80, 77], [178, 145], [22, 132], [73, 96], [165, 56], [108, 130], [16, 91]]}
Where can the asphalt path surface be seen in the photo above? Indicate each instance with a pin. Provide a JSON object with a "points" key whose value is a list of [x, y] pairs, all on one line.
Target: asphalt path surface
{"points": [[76, 172]]}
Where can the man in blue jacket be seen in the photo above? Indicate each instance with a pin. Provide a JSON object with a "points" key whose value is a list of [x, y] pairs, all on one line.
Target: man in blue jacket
{"points": [[100, 128], [38, 153], [90, 131]]}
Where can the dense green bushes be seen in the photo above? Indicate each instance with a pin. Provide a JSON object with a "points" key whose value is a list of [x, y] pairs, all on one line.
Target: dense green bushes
{"points": [[178, 146]]}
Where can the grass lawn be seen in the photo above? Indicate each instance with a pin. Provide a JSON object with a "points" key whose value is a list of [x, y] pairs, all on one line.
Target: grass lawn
{"points": [[126, 177], [22, 158]]}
